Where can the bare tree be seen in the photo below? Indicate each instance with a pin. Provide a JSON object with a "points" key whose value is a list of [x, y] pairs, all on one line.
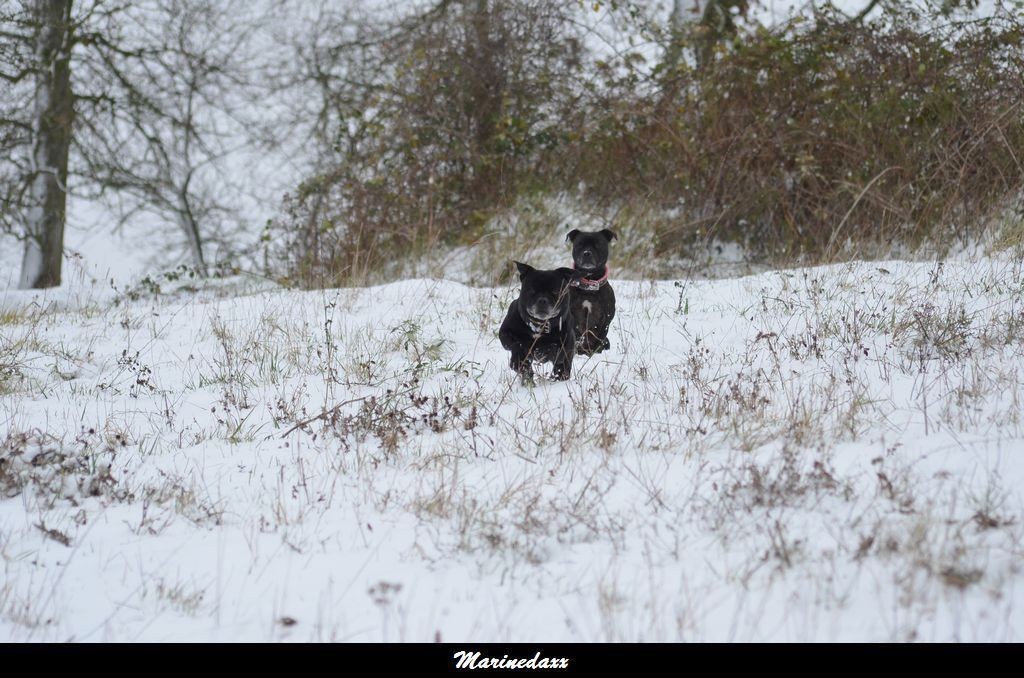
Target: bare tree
{"points": [[39, 38], [143, 102], [15, 110], [171, 114]]}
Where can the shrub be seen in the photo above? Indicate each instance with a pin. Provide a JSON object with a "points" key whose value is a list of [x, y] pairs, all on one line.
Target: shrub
{"points": [[820, 139], [799, 140], [438, 122]]}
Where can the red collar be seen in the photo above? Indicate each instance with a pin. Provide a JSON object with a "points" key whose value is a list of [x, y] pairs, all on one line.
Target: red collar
{"points": [[588, 285]]}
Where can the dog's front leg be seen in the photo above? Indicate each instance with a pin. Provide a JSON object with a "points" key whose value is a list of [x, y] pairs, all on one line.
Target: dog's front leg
{"points": [[603, 343], [520, 363], [563, 359]]}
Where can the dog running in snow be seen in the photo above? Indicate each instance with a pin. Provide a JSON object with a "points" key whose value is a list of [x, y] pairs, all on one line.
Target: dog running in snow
{"points": [[539, 325], [591, 296]]}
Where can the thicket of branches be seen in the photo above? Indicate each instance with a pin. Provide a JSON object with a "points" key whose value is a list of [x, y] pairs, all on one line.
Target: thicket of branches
{"points": [[143, 104], [825, 137], [434, 122], [819, 134]]}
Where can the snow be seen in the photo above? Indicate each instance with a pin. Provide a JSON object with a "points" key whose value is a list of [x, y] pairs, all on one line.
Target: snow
{"points": [[815, 454]]}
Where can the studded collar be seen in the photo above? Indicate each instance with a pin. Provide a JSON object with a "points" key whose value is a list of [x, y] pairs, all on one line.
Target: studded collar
{"points": [[539, 327], [588, 285]]}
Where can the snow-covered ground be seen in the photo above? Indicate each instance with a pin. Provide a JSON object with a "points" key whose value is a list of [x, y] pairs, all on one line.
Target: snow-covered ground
{"points": [[814, 454]]}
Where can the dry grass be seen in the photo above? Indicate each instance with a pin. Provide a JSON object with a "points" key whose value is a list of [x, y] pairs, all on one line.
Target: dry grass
{"points": [[759, 453]]}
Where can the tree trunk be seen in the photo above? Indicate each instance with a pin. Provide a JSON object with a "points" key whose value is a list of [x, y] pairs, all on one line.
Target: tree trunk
{"points": [[51, 139], [195, 242], [486, 92], [702, 24], [676, 23]]}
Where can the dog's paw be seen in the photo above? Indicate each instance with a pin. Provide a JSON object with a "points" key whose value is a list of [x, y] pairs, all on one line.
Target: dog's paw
{"points": [[523, 369]]}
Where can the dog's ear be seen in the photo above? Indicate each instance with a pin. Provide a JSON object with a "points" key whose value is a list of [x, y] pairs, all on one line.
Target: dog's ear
{"points": [[569, 273], [609, 234], [524, 269], [571, 235]]}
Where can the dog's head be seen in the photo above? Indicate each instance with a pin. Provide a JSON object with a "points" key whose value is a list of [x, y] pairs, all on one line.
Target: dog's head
{"points": [[544, 294], [590, 249]]}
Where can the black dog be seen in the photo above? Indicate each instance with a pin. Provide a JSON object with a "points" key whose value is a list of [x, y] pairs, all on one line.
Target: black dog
{"points": [[539, 325], [591, 297]]}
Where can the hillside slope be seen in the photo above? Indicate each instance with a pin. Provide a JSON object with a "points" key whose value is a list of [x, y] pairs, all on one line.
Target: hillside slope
{"points": [[816, 454]]}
